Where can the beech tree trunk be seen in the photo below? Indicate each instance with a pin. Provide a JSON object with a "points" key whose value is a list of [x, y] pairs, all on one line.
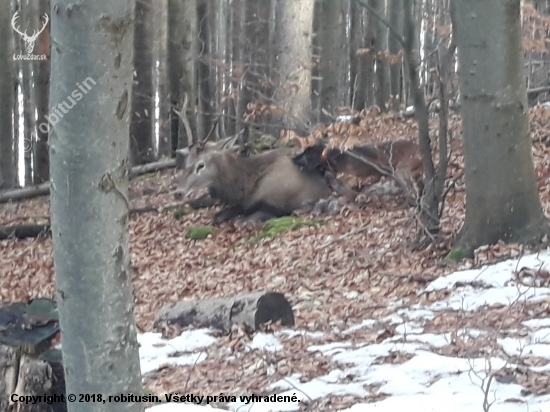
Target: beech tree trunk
{"points": [[41, 91], [335, 59], [382, 65], [370, 44], [182, 57], [89, 200], [293, 27], [502, 201], [396, 21]]}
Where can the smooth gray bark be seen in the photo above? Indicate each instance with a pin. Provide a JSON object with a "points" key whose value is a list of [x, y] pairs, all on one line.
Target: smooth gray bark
{"points": [[182, 58], [396, 20], [370, 42], [382, 65], [293, 27], [502, 201], [92, 83], [335, 59]]}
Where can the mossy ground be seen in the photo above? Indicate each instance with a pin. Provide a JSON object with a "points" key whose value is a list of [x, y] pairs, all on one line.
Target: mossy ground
{"points": [[199, 232]]}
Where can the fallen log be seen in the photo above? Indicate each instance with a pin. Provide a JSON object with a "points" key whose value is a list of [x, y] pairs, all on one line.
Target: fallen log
{"points": [[152, 167], [24, 231], [44, 188], [251, 309], [33, 231], [25, 192]]}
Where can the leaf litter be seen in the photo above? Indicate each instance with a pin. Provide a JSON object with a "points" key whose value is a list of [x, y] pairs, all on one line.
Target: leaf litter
{"points": [[379, 325]]}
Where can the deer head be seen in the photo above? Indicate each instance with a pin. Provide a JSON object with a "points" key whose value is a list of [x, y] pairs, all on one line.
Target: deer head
{"points": [[199, 164]]}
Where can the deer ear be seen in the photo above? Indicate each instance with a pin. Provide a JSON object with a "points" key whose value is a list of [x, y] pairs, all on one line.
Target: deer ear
{"points": [[223, 144], [181, 157]]}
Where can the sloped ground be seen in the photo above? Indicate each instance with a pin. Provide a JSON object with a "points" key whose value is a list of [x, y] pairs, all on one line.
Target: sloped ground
{"points": [[467, 349], [355, 266]]}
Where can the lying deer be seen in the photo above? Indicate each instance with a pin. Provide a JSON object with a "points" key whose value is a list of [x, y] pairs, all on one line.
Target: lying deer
{"points": [[261, 186], [398, 159]]}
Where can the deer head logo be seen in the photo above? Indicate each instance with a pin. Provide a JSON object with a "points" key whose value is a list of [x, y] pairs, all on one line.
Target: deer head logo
{"points": [[29, 40]]}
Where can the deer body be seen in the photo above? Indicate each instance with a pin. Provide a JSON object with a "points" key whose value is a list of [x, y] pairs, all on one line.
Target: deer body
{"points": [[269, 184], [397, 159], [400, 158]]}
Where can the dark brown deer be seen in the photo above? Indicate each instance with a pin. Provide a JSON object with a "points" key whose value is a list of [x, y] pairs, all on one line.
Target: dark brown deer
{"points": [[265, 185], [398, 159]]}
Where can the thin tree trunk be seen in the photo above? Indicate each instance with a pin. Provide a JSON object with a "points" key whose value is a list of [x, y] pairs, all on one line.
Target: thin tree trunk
{"points": [[396, 21], [240, 65], [370, 44], [89, 202], [429, 205], [141, 130], [222, 74], [182, 57], [160, 79], [29, 23], [41, 97], [7, 72], [382, 65], [357, 57], [205, 70]]}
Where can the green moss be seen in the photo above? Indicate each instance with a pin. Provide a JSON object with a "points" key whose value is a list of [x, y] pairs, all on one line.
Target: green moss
{"points": [[276, 226], [199, 232], [456, 255], [179, 213], [145, 176]]}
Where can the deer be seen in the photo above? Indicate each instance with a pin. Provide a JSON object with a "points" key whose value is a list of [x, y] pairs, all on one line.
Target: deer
{"points": [[259, 187], [399, 160]]}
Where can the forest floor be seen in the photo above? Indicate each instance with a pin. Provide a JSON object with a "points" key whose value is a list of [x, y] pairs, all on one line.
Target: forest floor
{"points": [[356, 284]]}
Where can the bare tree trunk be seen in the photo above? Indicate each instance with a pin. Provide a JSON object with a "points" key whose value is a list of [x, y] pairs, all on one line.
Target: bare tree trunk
{"points": [[294, 23], [429, 205], [183, 54], [29, 23], [357, 57], [382, 65], [218, 54], [89, 201], [429, 40], [370, 44], [205, 69], [501, 189], [160, 80], [335, 64], [242, 60], [395, 8], [41, 92], [7, 71], [141, 130]]}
